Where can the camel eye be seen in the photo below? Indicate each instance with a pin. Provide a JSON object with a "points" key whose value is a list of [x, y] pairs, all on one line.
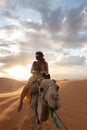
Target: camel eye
{"points": [[57, 88]]}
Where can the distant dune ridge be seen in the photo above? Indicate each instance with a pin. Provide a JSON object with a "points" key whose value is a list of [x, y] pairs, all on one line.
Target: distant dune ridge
{"points": [[73, 111], [8, 85]]}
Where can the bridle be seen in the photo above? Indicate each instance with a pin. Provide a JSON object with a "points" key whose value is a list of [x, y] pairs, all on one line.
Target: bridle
{"points": [[43, 96]]}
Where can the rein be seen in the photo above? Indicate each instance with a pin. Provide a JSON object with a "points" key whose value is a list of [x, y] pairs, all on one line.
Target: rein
{"points": [[54, 119]]}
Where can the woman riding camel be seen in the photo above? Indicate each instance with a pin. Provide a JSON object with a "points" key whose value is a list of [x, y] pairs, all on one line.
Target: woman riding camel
{"points": [[39, 70]]}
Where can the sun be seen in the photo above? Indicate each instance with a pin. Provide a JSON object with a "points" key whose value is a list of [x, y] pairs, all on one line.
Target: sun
{"points": [[19, 72]]}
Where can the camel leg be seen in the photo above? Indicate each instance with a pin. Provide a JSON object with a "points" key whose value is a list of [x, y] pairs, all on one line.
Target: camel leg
{"points": [[34, 118], [39, 126]]}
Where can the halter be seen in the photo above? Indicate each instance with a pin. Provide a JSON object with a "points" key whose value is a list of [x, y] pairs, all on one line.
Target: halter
{"points": [[43, 96]]}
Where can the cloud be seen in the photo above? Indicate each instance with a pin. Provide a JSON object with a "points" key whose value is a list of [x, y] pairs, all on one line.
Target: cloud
{"points": [[72, 60], [3, 3], [32, 25], [6, 13], [51, 19], [74, 20], [19, 59], [55, 21], [65, 26], [9, 4], [53, 30]]}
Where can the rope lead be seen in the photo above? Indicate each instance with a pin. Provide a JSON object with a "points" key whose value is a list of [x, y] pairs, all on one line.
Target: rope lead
{"points": [[56, 123], [54, 119]]}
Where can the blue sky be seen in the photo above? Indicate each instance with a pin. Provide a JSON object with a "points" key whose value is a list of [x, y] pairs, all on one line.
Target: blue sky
{"points": [[58, 28]]}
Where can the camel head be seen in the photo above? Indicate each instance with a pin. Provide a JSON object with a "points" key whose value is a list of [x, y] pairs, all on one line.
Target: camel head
{"points": [[49, 90]]}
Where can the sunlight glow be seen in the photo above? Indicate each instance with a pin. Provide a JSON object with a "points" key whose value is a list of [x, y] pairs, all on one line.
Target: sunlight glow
{"points": [[17, 35], [14, 48], [19, 72]]}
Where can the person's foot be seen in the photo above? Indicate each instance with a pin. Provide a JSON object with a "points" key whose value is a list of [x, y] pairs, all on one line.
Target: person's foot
{"points": [[19, 108]]}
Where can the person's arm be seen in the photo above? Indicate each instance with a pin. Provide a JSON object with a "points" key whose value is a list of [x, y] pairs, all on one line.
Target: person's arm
{"points": [[32, 69], [47, 71]]}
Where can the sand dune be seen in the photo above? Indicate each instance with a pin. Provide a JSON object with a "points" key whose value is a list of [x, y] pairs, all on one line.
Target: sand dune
{"points": [[73, 111], [73, 96], [8, 85]]}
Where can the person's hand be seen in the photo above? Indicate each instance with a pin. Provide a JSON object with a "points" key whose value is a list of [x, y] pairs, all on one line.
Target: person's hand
{"points": [[33, 72], [42, 72]]}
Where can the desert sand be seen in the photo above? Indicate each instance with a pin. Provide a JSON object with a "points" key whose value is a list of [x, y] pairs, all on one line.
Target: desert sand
{"points": [[73, 111]]}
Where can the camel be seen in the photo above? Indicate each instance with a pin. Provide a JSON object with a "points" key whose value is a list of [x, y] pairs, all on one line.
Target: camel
{"points": [[47, 97]]}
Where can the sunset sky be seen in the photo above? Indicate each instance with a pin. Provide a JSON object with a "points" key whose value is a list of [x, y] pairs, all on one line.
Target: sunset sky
{"points": [[58, 28]]}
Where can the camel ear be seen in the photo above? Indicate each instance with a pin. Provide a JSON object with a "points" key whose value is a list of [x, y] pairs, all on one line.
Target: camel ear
{"points": [[54, 80], [57, 87]]}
